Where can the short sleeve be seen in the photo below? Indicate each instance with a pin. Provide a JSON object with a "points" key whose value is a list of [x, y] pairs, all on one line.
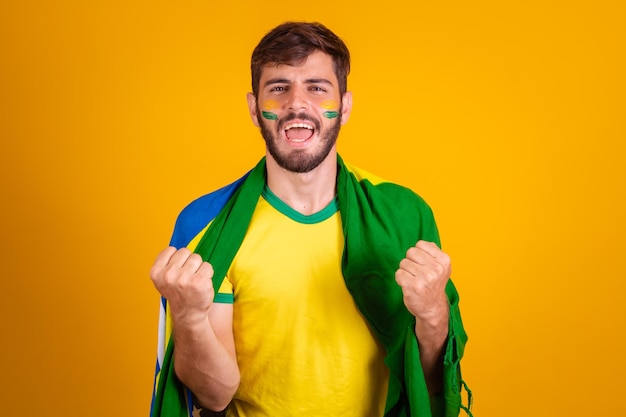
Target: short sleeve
{"points": [[225, 293]]}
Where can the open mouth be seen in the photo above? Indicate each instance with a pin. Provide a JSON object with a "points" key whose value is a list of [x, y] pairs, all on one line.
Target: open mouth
{"points": [[299, 132]]}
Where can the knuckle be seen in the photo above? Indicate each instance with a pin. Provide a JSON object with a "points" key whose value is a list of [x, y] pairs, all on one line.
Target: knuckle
{"points": [[423, 244], [172, 275], [206, 270], [154, 273], [400, 276], [195, 257]]}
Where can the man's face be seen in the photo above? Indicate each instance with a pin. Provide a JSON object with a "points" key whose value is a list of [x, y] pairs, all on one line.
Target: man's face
{"points": [[300, 112]]}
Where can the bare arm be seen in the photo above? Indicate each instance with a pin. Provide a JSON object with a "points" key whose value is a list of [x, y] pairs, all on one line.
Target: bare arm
{"points": [[204, 358], [431, 339], [423, 275], [204, 353]]}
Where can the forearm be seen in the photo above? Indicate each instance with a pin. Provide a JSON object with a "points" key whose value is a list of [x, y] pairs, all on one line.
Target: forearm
{"points": [[205, 365], [431, 338]]}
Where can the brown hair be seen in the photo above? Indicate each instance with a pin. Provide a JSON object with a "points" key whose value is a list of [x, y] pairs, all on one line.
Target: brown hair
{"points": [[292, 42]]}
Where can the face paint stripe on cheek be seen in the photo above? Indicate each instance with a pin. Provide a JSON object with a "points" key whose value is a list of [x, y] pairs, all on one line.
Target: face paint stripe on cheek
{"points": [[269, 115], [270, 105], [328, 104]]}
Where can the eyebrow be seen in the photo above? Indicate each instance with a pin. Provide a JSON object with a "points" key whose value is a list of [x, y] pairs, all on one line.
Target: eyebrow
{"points": [[286, 81], [275, 81], [318, 81]]}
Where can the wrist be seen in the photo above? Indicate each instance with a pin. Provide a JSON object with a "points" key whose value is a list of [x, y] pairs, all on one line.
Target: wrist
{"points": [[432, 331], [191, 320]]}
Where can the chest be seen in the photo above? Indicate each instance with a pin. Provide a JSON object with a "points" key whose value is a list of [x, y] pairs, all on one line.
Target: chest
{"points": [[282, 259]]}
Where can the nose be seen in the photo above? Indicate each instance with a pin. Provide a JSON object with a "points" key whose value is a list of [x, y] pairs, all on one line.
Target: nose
{"points": [[297, 99]]}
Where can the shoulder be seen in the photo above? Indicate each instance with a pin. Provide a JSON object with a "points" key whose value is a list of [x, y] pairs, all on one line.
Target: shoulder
{"points": [[392, 193], [398, 206], [200, 212]]}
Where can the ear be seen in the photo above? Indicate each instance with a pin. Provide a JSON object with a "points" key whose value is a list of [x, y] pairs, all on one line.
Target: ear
{"points": [[252, 108], [346, 107]]}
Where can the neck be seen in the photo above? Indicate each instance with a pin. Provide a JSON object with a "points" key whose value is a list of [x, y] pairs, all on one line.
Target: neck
{"points": [[307, 192]]}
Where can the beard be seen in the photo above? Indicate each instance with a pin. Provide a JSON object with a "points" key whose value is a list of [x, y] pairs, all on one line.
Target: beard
{"points": [[299, 160]]}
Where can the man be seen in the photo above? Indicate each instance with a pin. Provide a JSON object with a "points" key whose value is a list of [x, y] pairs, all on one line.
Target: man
{"points": [[315, 289]]}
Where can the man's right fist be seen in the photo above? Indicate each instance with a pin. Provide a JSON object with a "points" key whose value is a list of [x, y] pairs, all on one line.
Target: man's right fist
{"points": [[185, 280]]}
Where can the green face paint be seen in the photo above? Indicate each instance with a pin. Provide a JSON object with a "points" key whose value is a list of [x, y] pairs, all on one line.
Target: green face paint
{"points": [[269, 115], [330, 114]]}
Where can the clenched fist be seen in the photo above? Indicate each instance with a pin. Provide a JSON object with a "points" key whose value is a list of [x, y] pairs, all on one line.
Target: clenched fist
{"points": [[423, 275], [185, 280]]}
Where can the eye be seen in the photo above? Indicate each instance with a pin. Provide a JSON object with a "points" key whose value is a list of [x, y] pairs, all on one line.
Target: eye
{"points": [[317, 89], [278, 89]]}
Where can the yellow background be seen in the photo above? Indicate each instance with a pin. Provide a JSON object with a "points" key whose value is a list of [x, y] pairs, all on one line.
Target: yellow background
{"points": [[508, 118]]}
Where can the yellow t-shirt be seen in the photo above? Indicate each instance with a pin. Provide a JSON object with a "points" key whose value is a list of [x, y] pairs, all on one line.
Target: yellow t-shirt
{"points": [[303, 347]]}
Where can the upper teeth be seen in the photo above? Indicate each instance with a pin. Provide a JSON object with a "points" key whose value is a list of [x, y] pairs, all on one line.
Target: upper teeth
{"points": [[298, 125]]}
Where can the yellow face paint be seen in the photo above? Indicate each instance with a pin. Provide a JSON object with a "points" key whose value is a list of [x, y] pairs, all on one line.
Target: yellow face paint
{"points": [[329, 104], [270, 105]]}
